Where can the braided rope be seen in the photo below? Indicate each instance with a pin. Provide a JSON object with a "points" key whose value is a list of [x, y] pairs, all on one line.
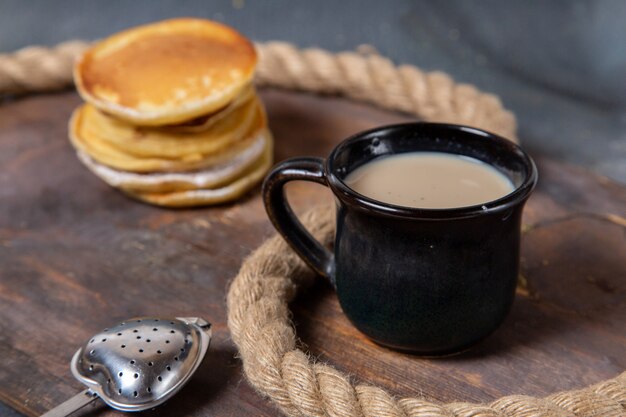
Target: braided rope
{"points": [[258, 314], [38, 69], [366, 77], [375, 79]]}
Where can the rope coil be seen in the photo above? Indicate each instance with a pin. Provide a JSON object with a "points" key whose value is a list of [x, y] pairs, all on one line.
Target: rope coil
{"points": [[367, 77], [257, 301]]}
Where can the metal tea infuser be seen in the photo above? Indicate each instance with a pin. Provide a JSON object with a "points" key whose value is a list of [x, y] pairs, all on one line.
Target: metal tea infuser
{"points": [[137, 364]]}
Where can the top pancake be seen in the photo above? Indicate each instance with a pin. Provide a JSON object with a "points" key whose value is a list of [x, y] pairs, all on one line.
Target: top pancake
{"points": [[167, 72]]}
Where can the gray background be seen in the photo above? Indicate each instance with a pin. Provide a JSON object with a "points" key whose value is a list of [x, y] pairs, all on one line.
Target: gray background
{"points": [[559, 65]]}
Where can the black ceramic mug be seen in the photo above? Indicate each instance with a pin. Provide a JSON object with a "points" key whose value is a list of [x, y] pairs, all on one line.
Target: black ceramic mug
{"points": [[430, 281]]}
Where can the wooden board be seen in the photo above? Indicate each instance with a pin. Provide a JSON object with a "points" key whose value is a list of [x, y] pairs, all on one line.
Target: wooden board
{"points": [[77, 256]]}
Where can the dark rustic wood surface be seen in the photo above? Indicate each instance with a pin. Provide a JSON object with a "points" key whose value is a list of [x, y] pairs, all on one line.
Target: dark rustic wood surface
{"points": [[77, 256]]}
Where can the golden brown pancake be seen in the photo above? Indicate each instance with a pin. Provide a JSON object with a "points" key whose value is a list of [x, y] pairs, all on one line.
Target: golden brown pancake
{"points": [[122, 148], [211, 177], [166, 72], [149, 142], [211, 196], [205, 122]]}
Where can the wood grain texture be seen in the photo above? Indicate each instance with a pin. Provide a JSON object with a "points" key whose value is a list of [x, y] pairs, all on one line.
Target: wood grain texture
{"points": [[77, 256]]}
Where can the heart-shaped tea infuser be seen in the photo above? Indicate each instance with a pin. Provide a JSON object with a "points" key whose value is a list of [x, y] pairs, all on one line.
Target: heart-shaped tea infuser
{"points": [[137, 364]]}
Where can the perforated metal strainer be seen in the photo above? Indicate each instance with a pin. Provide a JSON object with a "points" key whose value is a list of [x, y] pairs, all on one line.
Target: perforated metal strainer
{"points": [[137, 364]]}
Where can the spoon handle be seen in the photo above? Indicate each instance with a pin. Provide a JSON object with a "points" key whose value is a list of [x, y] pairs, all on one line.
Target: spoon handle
{"points": [[75, 403]]}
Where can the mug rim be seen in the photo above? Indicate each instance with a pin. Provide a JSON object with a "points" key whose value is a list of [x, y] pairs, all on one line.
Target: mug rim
{"points": [[360, 201]]}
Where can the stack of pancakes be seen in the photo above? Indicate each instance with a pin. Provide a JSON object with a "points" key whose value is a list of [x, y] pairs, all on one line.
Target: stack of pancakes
{"points": [[172, 117]]}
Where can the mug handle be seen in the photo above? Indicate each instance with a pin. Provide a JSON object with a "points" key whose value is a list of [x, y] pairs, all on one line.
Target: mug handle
{"points": [[285, 221]]}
